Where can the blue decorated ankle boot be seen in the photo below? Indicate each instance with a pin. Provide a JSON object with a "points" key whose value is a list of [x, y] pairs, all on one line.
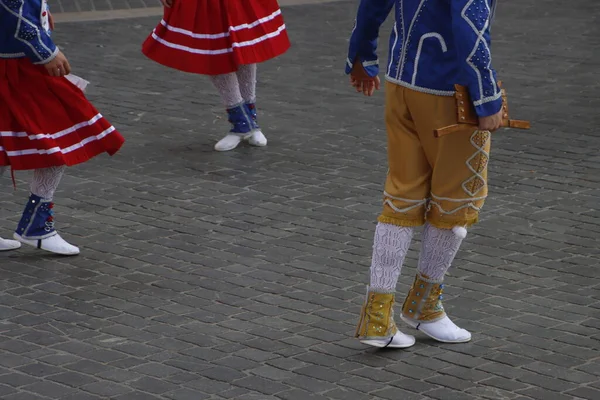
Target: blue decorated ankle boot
{"points": [[256, 138], [241, 120], [251, 107], [36, 228]]}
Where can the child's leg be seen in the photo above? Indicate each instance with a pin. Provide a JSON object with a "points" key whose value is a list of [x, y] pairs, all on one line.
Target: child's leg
{"points": [[246, 75], [46, 180], [36, 227], [5, 244], [229, 89]]}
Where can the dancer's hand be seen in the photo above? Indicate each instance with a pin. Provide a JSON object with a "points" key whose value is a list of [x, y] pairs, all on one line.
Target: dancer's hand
{"points": [[361, 81], [167, 3], [491, 123], [59, 66]]}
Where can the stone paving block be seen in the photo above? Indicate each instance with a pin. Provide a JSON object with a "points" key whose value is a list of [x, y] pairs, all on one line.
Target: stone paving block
{"points": [[449, 394], [299, 394], [126, 362], [452, 382], [574, 351], [186, 394], [208, 386], [262, 385], [153, 385], [156, 370], [585, 393], [6, 390], [136, 396], [40, 370], [17, 379], [24, 396], [106, 389], [540, 393], [469, 374], [81, 396], [414, 385], [72, 379], [394, 393], [541, 381], [483, 392], [118, 375], [49, 389], [309, 384], [512, 359], [271, 373]]}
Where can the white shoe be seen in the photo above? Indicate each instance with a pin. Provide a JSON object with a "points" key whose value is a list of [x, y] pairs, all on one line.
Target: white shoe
{"points": [[398, 341], [257, 138], [6, 245], [54, 244], [229, 142], [443, 330]]}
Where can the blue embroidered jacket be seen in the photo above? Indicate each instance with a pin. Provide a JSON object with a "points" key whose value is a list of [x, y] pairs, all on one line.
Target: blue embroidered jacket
{"points": [[434, 45], [25, 31]]}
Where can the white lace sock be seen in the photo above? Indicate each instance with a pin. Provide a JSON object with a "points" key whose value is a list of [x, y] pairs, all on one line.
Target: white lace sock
{"points": [[246, 75], [46, 180], [229, 88], [438, 249], [390, 246]]}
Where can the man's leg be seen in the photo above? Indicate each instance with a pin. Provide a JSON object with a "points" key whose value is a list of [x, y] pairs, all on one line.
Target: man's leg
{"points": [[404, 207], [376, 326], [423, 307], [390, 245], [458, 190], [36, 227]]}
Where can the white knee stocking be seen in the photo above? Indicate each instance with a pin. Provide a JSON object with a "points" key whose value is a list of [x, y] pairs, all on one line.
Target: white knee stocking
{"points": [[438, 249], [390, 246]]}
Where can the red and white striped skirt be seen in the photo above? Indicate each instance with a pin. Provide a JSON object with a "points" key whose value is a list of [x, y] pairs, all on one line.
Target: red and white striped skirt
{"points": [[47, 121], [213, 37]]}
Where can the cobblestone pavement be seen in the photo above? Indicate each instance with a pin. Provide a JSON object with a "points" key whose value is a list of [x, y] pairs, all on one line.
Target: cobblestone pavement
{"points": [[240, 275], [100, 5]]}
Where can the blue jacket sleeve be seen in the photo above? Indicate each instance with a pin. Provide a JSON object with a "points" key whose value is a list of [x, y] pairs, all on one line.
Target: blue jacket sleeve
{"points": [[471, 21], [363, 42], [24, 21]]}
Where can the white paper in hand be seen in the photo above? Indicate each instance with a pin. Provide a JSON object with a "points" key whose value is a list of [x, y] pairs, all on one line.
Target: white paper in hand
{"points": [[77, 81]]}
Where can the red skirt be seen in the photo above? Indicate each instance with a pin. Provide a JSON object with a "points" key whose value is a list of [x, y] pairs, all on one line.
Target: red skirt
{"points": [[47, 121], [213, 37]]}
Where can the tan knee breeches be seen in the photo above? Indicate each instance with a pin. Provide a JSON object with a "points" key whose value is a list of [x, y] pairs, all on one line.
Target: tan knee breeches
{"points": [[439, 180]]}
